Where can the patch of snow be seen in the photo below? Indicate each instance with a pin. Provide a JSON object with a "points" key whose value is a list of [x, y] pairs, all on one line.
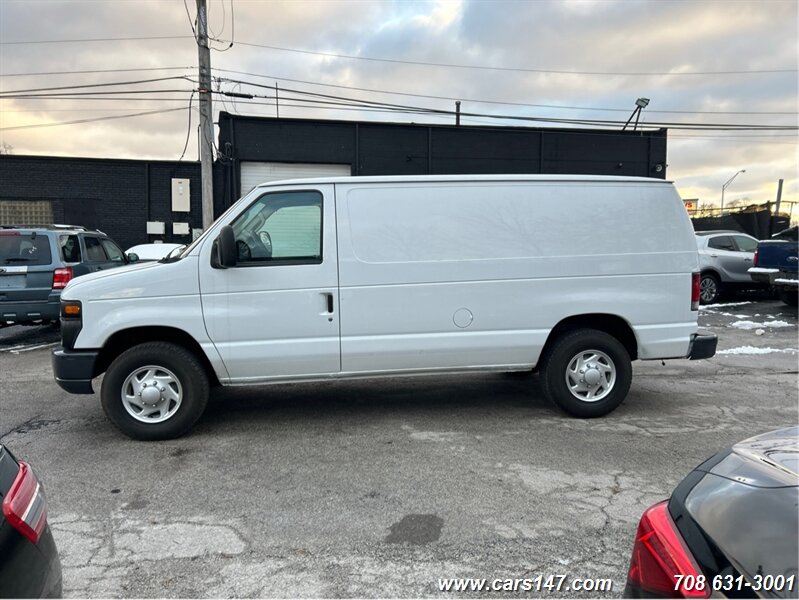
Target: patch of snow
{"points": [[720, 305], [754, 350], [755, 325]]}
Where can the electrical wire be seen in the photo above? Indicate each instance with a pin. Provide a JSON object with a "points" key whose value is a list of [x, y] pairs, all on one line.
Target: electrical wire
{"points": [[107, 118], [500, 102], [417, 63], [232, 28], [84, 40], [93, 71], [188, 130], [191, 23], [48, 97], [409, 94], [93, 85], [79, 94], [607, 122], [513, 69]]}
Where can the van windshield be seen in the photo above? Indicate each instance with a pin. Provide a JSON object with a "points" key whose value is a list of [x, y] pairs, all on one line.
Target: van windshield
{"points": [[188, 249]]}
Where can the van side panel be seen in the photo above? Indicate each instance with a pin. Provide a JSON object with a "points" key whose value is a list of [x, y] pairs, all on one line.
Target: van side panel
{"points": [[453, 275]]}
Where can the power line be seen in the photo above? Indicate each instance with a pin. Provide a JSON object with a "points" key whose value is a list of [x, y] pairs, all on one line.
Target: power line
{"points": [[411, 62], [511, 69], [66, 95], [191, 23], [593, 122], [119, 99], [93, 71], [501, 102], [108, 118], [109, 39], [409, 94], [188, 130], [93, 85]]}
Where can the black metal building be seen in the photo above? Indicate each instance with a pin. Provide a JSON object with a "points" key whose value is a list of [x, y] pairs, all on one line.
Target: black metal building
{"points": [[251, 149], [126, 198]]}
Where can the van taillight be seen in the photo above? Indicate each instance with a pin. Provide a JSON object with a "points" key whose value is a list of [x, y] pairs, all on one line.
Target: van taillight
{"points": [[61, 277], [661, 565], [25, 507], [695, 279], [754, 261]]}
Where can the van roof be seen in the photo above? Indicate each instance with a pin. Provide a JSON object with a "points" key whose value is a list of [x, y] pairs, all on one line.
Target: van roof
{"points": [[446, 178]]}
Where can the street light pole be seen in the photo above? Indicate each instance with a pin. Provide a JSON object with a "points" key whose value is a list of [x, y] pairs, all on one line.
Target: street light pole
{"points": [[725, 186]]}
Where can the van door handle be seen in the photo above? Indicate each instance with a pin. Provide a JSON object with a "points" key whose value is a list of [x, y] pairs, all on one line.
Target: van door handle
{"points": [[329, 298]]}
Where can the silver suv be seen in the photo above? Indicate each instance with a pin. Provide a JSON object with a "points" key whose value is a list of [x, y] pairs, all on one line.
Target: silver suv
{"points": [[724, 261], [36, 263]]}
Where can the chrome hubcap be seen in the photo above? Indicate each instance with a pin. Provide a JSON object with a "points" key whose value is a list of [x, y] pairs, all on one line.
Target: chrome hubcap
{"points": [[151, 394], [590, 375]]}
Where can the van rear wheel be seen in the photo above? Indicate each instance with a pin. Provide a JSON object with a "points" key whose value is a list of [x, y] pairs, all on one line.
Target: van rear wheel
{"points": [[155, 391], [586, 373]]}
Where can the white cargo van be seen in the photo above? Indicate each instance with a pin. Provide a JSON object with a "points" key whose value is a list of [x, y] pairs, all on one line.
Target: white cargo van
{"points": [[373, 276]]}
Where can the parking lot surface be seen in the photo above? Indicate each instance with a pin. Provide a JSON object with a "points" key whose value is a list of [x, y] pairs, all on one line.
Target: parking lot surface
{"points": [[380, 488]]}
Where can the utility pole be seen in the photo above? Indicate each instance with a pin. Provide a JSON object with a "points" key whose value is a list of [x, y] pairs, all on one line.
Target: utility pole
{"points": [[776, 209], [206, 116]]}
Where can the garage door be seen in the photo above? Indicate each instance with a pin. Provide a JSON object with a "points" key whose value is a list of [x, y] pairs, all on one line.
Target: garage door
{"points": [[254, 173]]}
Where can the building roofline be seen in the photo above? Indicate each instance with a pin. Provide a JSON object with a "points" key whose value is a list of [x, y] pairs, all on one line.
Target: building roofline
{"points": [[659, 132]]}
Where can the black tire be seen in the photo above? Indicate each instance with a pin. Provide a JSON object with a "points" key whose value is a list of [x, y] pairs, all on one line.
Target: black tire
{"points": [[789, 296], [565, 349], [709, 288], [187, 375]]}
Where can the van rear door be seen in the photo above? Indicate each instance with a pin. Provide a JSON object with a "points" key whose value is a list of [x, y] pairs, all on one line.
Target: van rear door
{"points": [[275, 314]]}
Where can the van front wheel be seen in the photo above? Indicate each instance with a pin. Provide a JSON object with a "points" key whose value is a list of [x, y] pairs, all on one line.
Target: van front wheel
{"points": [[155, 391], [586, 373]]}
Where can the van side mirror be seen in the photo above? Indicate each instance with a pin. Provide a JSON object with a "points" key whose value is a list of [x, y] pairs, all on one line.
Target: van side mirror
{"points": [[223, 254], [132, 257]]}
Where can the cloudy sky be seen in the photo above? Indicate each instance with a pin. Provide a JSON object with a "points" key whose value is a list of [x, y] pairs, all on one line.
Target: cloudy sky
{"points": [[700, 62]]}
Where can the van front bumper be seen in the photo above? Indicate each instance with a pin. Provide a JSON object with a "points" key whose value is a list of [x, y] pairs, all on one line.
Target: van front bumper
{"points": [[702, 346], [74, 369]]}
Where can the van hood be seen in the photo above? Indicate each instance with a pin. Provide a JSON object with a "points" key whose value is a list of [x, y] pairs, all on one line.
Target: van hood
{"points": [[109, 273], [145, 280]]}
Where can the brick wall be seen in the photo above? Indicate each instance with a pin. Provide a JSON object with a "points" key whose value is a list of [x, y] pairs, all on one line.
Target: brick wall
{"points": [[116, 196]]}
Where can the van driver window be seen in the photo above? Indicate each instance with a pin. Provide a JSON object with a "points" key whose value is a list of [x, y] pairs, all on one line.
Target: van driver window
{"points": [[281, 227]]}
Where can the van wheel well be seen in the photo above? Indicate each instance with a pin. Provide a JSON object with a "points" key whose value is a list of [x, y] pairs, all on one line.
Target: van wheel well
{"points": [[128, 338], [610, 324]]}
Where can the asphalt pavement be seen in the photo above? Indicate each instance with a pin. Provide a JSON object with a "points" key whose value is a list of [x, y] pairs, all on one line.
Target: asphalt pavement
{"points": [[380, 488]]}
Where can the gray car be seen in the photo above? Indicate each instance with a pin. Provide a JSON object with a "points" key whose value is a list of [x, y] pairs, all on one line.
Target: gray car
{"points": [[36, 263], [724, 261]]}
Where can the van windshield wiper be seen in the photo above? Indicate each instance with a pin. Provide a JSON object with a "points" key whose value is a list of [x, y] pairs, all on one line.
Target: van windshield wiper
{"points": [[170, 258], [18, 259]]}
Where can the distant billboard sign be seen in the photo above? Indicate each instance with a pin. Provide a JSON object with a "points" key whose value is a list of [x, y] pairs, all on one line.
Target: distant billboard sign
{"points": [[691, 204]]}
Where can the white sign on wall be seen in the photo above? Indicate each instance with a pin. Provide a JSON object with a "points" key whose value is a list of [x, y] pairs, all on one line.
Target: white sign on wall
{"points": [[181, 201]]}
